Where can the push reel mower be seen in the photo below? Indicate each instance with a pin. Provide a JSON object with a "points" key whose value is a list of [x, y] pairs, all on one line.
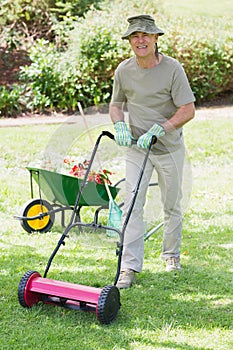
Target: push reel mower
{"points": [[104, 302]]}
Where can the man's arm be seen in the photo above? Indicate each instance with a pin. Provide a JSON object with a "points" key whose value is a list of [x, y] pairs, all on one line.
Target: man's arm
{"points": [[183, 115], [123, 136], [116, 113]]}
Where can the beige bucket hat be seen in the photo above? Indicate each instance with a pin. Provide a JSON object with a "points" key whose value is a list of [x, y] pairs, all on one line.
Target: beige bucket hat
{"points": [[142, 23]]}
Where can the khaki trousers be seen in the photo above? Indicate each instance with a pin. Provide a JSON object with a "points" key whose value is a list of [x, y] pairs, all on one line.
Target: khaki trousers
{"points": [[169, 168]]}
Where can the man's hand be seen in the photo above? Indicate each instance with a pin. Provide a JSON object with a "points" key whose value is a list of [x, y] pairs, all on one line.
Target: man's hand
{"points": [[145, 140], [123, 136]]}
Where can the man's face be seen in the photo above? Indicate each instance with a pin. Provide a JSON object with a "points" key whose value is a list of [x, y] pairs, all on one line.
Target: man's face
{"points": [[143, 44]]}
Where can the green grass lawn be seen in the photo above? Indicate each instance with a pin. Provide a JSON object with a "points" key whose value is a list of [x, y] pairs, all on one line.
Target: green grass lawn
{"points": [[189, 310], [191, 8]]}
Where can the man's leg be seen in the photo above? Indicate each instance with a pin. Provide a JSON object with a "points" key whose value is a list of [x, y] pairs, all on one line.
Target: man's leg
{"points": [[133, 249], [170, 173]]}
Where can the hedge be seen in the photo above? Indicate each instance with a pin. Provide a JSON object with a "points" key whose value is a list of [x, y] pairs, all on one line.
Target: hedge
{"points": [[83, 71]]}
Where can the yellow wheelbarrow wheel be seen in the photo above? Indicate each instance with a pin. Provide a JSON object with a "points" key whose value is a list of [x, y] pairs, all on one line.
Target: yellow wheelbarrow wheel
{"points": [[36, 207]]}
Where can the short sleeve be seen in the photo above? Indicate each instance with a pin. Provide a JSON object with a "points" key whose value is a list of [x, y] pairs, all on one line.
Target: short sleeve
{"points": [[181, 91], [118, 95]]}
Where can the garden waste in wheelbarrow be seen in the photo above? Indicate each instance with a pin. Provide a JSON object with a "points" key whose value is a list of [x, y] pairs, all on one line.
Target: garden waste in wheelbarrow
{"points": [[105, 302]]}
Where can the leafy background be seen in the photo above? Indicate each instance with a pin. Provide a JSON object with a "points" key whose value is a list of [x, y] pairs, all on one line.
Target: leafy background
{"points": [[70, 50]]}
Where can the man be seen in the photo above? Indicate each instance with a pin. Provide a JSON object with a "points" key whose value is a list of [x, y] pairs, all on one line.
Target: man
{"points": [[159, 101]]}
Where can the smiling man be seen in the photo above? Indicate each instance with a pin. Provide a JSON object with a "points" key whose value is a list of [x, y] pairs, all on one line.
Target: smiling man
{"points": [[159, 100]]}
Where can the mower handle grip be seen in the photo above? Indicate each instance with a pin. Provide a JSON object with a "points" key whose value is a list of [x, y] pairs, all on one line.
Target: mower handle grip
{"points": [[108, 134], [134, 142], [153, 141]]}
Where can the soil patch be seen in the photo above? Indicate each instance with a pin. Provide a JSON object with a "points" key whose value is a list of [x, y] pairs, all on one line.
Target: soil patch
{"points": [[10, 62]]}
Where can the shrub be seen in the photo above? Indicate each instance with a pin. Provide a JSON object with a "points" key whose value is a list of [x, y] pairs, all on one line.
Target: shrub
{"points": [[205, 50], [83, 71], [24, 21], [10, 101], [51, 81], [98, 48], [40, 77], [72, 8], [95, 50]]}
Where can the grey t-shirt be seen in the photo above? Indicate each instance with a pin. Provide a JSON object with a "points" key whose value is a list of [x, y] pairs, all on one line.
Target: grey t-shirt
{"points": [[152, 95]]}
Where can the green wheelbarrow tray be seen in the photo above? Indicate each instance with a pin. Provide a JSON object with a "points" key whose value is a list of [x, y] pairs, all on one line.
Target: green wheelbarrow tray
{"points": [[63, 189]]}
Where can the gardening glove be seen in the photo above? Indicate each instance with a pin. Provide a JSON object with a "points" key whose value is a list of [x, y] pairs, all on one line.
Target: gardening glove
{"points": [[145, 140], [123, 136]]}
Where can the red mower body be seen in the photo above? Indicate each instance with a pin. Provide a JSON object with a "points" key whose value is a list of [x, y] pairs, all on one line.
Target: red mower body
{"points": [[104, 302]]}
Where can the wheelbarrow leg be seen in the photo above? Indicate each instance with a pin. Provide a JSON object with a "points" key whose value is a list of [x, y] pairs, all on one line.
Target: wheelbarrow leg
{"points": [[152, 231]]}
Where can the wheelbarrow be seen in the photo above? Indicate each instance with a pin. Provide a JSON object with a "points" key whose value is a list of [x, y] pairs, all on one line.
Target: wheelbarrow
{"points": [[38, 214], [105, 302], [61, 192]]}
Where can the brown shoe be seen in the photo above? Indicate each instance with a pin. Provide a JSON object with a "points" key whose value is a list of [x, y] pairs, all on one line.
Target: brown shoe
{"points": [[173, 264], [126, 279]]}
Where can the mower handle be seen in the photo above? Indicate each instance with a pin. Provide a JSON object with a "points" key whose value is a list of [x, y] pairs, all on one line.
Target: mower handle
{"points": [[153, 141], [134, 142], [109, 134]]}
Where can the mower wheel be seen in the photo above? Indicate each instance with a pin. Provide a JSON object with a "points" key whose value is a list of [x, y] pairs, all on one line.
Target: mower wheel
{"points": [[35, 207], [108, 304], [25, 296]]}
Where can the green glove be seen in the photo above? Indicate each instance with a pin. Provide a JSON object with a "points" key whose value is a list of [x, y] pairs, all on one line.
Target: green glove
{"points": [[145, 140], [123, 136]]}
